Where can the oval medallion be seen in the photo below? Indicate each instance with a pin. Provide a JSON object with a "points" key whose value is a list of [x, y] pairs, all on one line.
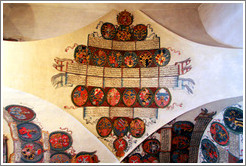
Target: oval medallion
{"points": [[180, 142], [20, 113], [104, 126], [120, 153], [85, 157], [219, 133], [82, 54], [124, 33], [60, 158], [97, 96], [79, 95], [145, 58], [233, 118], [140, 32], [151, 146], [183, 128], [31, 152], [99, 57], [108, 31], [113, 97], [115, 59], [209, 151], [29, 132], [129, 97], [162, 57], [150, 159], [162, 97], [120, 144], [124, 18], [135, 158], [130, 59], [60, 141], [180, 156], [120, 127], [145, 97], [137, 127]]}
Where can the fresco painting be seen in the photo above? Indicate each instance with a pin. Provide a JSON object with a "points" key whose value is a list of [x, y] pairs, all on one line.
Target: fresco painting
{"points": [[124, 86]]}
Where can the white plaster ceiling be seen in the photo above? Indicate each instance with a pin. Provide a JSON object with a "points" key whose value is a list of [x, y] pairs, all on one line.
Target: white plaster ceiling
{"points": [[35, 21]]}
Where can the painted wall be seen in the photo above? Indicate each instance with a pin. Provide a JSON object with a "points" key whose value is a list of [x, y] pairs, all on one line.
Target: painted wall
{"points": [[217, 72]]}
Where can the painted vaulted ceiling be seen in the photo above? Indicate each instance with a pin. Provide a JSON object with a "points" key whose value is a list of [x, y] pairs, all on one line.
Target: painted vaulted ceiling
{"points": [[216, 24], [123, 88]]}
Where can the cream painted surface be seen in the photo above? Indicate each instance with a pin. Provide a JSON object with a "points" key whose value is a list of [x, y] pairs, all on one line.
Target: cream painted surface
{"points": [[51, 118], [185, 23], [35, 21], [224, 22], [217, 72]]}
